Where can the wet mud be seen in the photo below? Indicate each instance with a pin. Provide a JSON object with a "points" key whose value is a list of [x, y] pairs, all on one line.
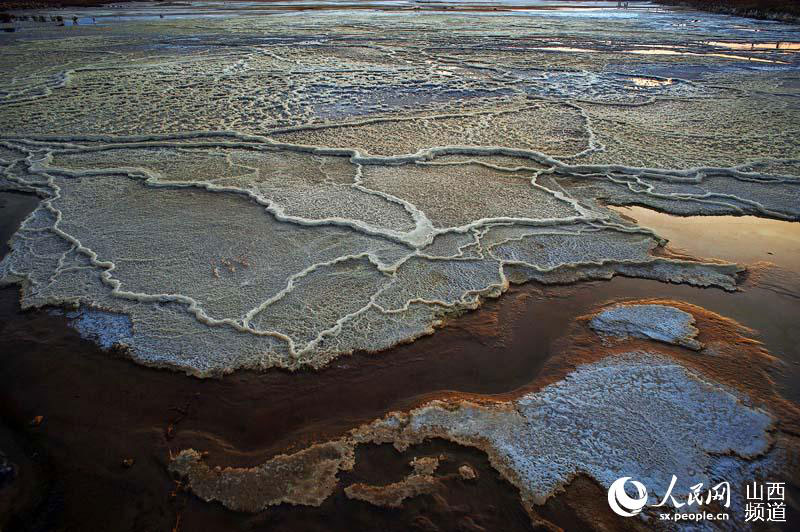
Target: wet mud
{"points": [[344, 184], [99, 409]]}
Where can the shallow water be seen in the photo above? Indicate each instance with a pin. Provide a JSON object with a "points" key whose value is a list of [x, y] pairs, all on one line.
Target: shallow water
{"points": [[742, 239], [247, 193], [14, 207], [125, 410]]}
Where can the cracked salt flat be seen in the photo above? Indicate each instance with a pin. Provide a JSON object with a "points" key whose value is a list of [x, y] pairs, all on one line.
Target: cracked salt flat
{"points": [[265, 194]]}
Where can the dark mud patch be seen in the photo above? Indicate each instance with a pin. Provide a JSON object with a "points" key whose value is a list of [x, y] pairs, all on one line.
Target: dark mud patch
{"points": [[14, 207], [99, 409], [486, 503]]}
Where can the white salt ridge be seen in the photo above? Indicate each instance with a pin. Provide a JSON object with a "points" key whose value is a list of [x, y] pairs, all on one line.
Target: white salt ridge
{"points": [[291, 195], [588, 242]]}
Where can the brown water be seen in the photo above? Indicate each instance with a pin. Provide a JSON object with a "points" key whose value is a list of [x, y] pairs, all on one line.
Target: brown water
{"points": [[100, 409], [742, 239], [769, 302], [14, 207]]}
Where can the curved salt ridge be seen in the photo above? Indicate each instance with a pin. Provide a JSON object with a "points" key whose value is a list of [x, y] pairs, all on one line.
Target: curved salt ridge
{"points": [[422, 235], [58, 80], [291, 282], [153, 180], [46, 88], [246, 141], [424, 232], [40, 157], [108, 267], [705, 198]]}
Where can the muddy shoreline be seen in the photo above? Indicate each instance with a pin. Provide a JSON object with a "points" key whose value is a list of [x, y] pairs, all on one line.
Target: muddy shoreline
{"points": [[100, 409], [781, 10]]}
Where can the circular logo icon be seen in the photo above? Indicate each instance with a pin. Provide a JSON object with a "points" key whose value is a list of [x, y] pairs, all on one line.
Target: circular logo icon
{"points": [[621, 502]]}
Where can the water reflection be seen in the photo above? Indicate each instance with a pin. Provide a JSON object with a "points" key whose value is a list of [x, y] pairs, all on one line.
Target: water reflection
{"points": [[741, 239], [757, 45]]}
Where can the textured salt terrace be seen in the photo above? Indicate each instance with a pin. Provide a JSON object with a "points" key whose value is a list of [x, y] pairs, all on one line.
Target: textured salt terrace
{"points": [[653, 322], [279, 191], [638, 414]]}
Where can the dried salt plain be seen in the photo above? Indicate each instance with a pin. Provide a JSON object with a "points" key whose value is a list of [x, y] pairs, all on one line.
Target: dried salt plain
{"points": [[255, 191]]}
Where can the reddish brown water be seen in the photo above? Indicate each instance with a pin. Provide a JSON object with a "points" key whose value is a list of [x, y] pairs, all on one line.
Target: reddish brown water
{"points": [[769, 301], [100, 409], [743, 239]]}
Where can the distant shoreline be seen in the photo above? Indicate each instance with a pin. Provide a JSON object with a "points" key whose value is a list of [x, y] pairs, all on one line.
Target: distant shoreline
{"points": [[43, 4], [780, 10]]}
